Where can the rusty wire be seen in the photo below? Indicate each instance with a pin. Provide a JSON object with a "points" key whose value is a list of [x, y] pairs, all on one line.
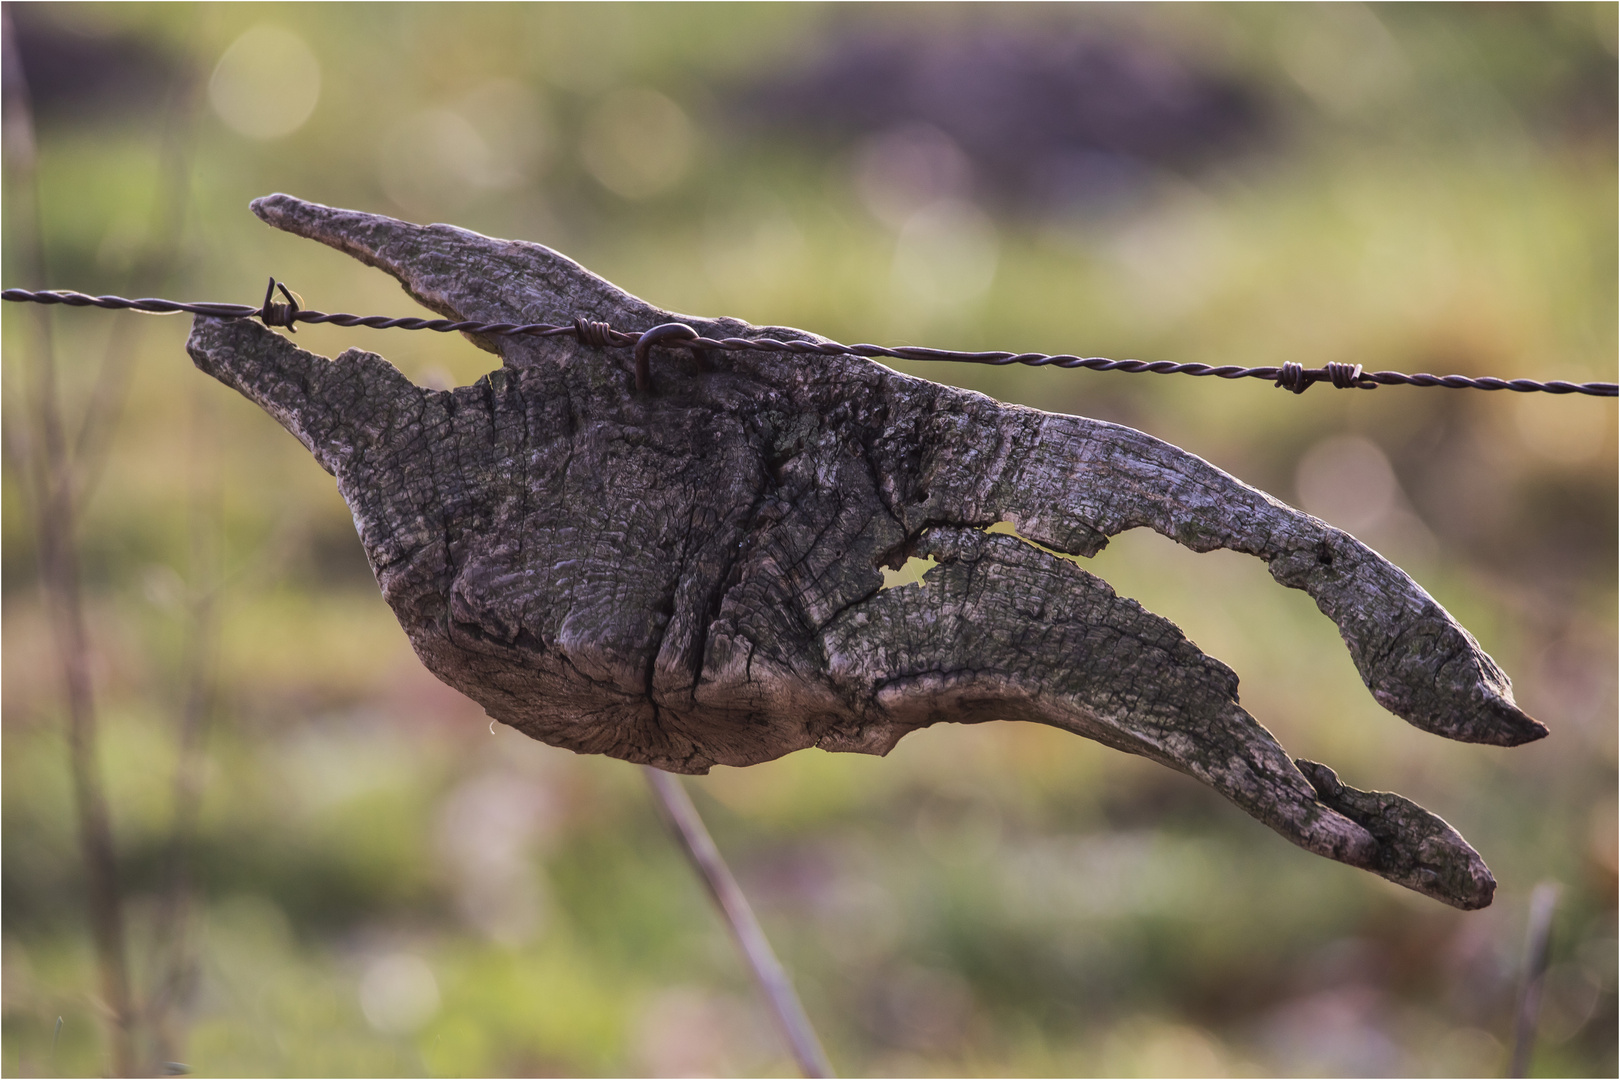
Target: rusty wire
{"points": [[1290, 376]]}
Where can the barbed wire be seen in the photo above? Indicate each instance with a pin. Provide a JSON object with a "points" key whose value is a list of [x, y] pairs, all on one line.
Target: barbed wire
{"points": [[1290, 376]]}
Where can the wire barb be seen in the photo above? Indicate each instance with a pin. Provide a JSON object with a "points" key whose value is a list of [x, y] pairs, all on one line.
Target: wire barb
{"points": [[1298, 378], [594, 334], [1291, 376], [273, 314]]}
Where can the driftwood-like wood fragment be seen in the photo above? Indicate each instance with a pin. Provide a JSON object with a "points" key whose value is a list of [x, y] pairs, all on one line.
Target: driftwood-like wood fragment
{"points": [[692, 576]]}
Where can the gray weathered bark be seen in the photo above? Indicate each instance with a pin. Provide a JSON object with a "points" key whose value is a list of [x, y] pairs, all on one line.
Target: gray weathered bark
{"points": [[691, 576]]}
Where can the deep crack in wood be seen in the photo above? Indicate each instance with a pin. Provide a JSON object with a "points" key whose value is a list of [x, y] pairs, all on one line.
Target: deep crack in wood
{"points": [[691, 575]]}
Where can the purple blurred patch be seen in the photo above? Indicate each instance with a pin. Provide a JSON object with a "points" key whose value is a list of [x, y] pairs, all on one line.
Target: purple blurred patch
{"points": [[1051, 119]]}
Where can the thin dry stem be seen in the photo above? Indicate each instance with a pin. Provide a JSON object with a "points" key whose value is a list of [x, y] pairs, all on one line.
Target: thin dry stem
{"points": [[1538, 939], [160, 256], [175, 960], [54, 514], [767, 970]]}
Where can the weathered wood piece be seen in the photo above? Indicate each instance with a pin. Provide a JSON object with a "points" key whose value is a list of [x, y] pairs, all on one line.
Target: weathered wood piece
{"points": [[691, 576]]}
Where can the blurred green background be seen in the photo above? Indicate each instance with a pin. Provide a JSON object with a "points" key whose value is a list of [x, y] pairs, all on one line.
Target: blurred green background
{"points": [[380, 885]]}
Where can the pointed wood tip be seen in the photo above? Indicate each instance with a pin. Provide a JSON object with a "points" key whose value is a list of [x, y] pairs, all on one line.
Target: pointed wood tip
{"points": [[1416, 848], [1512, 726]]}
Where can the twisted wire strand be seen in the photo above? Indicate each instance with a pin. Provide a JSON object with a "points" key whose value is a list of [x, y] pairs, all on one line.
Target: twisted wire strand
{"points": [[1290, 376]]}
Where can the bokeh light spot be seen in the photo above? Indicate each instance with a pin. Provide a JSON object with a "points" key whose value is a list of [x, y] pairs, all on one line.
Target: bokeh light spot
{"points": [[1347, 481], [1563, 431], [430, 164], [266, 84], [398, 993], [946, 255], [904, 169], [495, 138], [637, 143]]}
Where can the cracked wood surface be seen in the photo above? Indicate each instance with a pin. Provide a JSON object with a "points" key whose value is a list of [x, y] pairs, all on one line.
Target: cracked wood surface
{"points": [[692, 576]]}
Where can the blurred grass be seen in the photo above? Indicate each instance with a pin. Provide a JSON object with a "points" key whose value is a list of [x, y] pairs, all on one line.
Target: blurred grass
{"points": [[1438, 193]]}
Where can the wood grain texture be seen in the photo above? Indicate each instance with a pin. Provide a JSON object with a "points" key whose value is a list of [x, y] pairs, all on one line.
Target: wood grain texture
{"points": [[692, 576]]}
